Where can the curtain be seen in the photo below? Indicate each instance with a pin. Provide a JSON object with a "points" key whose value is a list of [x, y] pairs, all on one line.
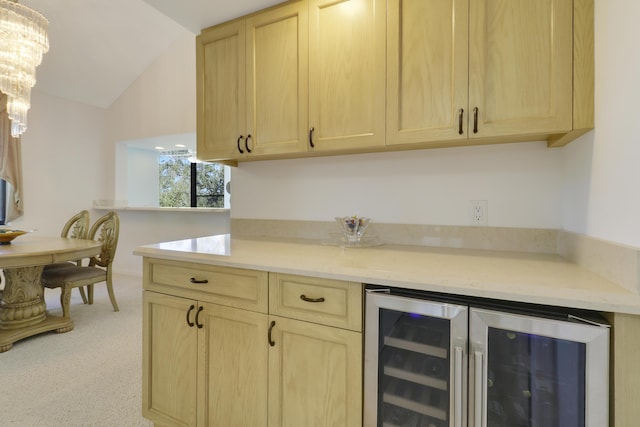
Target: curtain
{"points": [[10, 164]]}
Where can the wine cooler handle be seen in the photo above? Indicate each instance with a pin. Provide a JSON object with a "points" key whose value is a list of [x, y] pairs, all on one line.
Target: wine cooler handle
{"points": [[479, 389], [457, 372]]}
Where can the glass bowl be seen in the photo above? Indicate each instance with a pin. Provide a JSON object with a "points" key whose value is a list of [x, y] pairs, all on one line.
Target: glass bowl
{"points": [[353, 227]]}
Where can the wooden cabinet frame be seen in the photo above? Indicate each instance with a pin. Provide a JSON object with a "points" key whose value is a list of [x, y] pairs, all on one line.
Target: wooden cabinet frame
{"points": [[315, 116], [214, 356]]}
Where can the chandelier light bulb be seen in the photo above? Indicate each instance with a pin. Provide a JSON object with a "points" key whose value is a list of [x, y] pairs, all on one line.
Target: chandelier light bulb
{"points": [[23, 41]]}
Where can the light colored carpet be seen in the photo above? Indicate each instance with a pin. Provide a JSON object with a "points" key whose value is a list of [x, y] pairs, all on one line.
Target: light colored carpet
{"points": [[91, 376]]}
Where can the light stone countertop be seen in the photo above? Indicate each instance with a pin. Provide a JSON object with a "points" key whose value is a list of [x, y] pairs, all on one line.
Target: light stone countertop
{"points": [[534, 278]]}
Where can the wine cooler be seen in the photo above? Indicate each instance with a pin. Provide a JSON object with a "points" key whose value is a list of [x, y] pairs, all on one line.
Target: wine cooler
{"points": [[436, 361]]}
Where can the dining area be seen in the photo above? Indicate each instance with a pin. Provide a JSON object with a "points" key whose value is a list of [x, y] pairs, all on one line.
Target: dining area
{"points": [[80, 257]]}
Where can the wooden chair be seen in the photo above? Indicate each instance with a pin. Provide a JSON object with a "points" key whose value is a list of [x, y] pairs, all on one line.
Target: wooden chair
{"points": [[77, 227], [105, 230]]}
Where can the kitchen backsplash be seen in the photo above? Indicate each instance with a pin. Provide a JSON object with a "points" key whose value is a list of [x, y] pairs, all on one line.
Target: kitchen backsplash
{"points": [[613, 261], [617, 263]]}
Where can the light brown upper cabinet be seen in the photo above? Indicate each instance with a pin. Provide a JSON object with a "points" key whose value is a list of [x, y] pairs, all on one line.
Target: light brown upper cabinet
{"points": [[274, 84], [346, 74], [520, 67], [427, 70], [320, 77], [468, 72], [220, 85], [252, 86], [276, 81]]}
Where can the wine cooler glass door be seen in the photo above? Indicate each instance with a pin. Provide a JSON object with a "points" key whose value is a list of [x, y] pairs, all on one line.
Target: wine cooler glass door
{"points": [[415, 362], [536, 372]]}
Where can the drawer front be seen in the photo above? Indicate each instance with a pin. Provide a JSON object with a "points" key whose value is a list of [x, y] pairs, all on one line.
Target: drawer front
{"points": [[323, 301], [234, 287]]}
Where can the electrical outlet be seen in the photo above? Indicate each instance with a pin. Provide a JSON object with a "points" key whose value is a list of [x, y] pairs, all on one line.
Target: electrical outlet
{"points": [[478, 212]]}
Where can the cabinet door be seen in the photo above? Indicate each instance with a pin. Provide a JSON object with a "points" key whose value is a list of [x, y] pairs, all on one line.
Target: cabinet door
{"points": [[520, 67], [220, 67], [276, 81], [427, 70], [315, 375], [347, 73], [537, 371], [416, 367], [232, 380], [169, 352]]}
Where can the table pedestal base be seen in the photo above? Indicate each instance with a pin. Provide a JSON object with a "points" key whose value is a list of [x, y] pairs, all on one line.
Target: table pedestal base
{"points": [[23, 309], [50, 323]]}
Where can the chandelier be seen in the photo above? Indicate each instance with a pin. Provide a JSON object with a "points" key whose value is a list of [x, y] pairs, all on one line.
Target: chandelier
{"points": [[23, 41]]}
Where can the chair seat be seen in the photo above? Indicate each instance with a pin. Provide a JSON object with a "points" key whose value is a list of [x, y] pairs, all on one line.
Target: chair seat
{"points": [[104, 230], [59, 265], [72, 276]]}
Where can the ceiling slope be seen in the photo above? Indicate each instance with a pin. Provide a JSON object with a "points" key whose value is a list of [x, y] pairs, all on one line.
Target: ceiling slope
{"points": [[98, 48]]}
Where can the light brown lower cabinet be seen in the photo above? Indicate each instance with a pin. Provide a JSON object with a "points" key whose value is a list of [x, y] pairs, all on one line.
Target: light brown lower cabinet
{"points": [[232, 363], [214, 375], [624, 369], [170, 361], [315, 375]]}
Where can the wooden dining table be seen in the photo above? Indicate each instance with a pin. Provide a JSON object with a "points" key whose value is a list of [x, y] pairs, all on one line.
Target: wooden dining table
{"points": [[23, 310]]}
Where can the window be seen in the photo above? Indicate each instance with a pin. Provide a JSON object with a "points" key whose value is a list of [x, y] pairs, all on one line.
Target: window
{"points": [[184, 183], [163, 172]]}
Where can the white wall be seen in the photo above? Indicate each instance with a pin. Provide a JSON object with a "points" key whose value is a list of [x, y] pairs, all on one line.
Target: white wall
{"points": [[590, 186], [143, 170], [66, 162], [602, 197], [519, 182], [162, 101], [146, 227], [68, 155]]}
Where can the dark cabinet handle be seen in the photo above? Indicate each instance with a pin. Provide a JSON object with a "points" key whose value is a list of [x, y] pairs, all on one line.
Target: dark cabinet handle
{"points": [[460, 118], [311, 137], [475, 120], [307, 299], [271, 342], [189, 322], [246, 143], [198, 282], [198, 324], [238, 144]]}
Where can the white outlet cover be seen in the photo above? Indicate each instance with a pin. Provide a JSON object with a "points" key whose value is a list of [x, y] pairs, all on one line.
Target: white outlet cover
{"points": [[478, 212]]}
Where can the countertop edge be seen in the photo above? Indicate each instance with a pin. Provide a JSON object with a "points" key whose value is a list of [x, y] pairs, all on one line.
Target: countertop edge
{"points": [[599, 294]]}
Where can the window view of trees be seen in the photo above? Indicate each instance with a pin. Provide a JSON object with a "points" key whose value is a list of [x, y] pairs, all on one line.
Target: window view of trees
{"points": [[178, 176]]}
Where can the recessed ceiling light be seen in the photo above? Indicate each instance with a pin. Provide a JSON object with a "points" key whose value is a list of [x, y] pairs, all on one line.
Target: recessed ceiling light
{"points": [[181, 146], [159, 148]]}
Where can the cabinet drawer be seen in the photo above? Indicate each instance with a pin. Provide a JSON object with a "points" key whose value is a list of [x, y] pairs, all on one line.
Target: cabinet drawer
{"points": [[234, 287], [324, 301]]}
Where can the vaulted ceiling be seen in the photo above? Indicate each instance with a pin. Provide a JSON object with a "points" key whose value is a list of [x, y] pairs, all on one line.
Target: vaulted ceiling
{"points": [[99, 47]]}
